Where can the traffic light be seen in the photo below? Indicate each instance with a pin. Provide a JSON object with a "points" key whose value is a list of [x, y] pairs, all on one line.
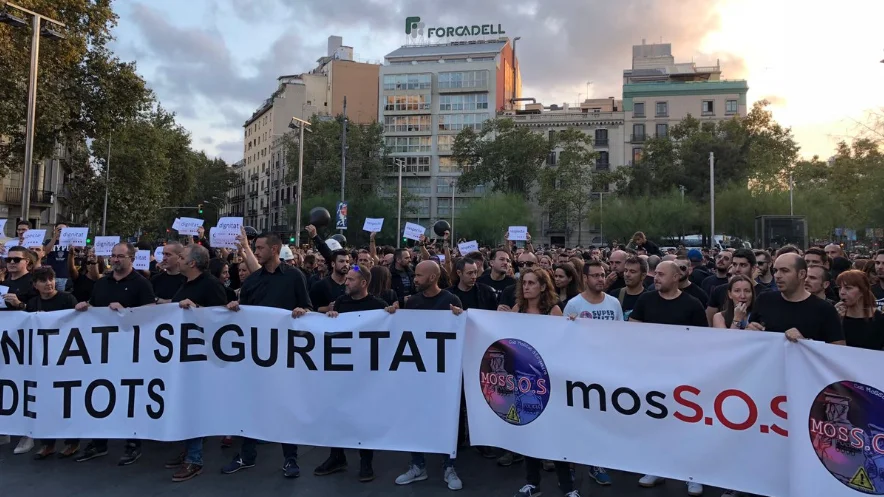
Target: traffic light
{"points": [[88, 241], [200, 207], [291, 239]]}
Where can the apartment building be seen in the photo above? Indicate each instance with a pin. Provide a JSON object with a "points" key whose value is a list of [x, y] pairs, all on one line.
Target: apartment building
{"points": [[47, 187], [428, 94], [266, 191]]}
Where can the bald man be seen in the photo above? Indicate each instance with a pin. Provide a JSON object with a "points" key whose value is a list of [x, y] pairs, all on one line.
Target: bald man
{"points": [[834, 250], [668, 305], [615, 280], [793, 310]]}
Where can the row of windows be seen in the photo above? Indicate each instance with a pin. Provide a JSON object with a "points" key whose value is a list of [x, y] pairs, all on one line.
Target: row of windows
{"points": [[473, 101], [420, 164], [406, 144], [407, 102], [457, 122], [707, 108], [463, 79], [398, 124], [407, 82]]}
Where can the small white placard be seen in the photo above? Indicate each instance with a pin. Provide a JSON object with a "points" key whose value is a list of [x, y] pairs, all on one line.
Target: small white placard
{"points": [[441, 257], [229, 224], [468, 247], [333, 244], [373, 224], [34, 238], [413, 231], [518, 233], [187, 225], [142, 260], [158, 253], [3, 291], [223, 237], [104, 245], [8, 244], [75, 237], [3, 226]]}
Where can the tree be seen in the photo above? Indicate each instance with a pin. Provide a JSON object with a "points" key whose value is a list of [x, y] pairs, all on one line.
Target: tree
{"points": [[567, 186], [84, 90], [660, 216], [504, 157], [487, 219]]}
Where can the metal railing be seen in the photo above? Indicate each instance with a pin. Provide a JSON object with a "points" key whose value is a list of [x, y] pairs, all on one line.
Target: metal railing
{"points": [[638, 138], [13, 195]]}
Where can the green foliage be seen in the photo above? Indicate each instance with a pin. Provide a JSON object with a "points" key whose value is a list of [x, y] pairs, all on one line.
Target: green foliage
{"points": [[502, 156], [486, 219], [566, 187], [658, 216]]}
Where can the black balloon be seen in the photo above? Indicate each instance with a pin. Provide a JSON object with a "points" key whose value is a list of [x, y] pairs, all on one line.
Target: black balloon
{"points": [[251, 233], [340, 239], [441, 227], [319, 217]]}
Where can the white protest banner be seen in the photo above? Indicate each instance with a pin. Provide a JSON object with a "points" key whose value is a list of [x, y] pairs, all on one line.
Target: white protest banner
{"points": [[518, 233], [3, 227], [75, 237], [697, 405], [104, 245], [3, 290], [187, 225], [366, 380], [230, 224], [142, 260], [158, 253], [836, 421], [468, 247], [34, 238], [373, 225], [223, 237], [413, 231]]}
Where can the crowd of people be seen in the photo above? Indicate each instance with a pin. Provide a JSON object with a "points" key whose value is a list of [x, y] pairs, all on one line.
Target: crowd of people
{"points": [[816, 294]]}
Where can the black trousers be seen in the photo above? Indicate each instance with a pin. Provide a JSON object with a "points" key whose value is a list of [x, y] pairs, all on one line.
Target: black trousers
{"points": [[563, 472]]}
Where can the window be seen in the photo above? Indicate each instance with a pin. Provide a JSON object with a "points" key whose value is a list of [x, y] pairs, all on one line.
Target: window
{"points": [[551, 158], [636, 154], [662, 109], [601, 138], [662, 130], [448, 165], [457, 122], [730, 107], [443, 206], [603, 161], [638, 132], [463, 79], [403, 124], [420, 164], [638, 109], [406, 144], [416, 186], [444, 144], [443, 184], [473, 101], [407, 102], [707, 108], [419, 207], [407, 82]]}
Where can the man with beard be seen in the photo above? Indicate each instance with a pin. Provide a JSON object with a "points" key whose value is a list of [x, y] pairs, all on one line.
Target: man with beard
{"points": [[328, 289], [402, 281], [686, 285], [429, 297], [472, 294], [635, 269], [593, 302], [355, 299], [615, 280], [124, 288], [764, 275], [496, 277], [19, 262], [743, 263], [699, 272], [878, 290], [722, 265]]}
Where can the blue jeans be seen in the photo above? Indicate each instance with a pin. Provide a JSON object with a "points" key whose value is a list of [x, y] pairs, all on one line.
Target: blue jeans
{"points": [[193, 451], [249, 451], [419, 459]]}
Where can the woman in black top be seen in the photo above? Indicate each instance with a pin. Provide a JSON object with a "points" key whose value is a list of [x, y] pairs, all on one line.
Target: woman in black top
{"points": [[381, 281], [863, 324], [735, 314], [221, 270]]}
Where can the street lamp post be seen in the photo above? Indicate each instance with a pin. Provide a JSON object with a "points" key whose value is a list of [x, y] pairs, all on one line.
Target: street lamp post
{"points": [[712, 199], [301, 125], [453, 191], [36, 21], [401, 164], [106, 188]]}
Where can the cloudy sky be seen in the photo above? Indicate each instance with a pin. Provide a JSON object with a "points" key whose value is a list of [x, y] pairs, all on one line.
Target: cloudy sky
{"points": [[214, 61]]}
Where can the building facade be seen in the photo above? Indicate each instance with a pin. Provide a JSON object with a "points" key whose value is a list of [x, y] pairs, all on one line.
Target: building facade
{"points": [[47, 187], [428, 94], [267, 191]]}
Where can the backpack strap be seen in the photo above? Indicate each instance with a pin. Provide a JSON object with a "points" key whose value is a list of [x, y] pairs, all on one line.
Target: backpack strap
{"points": [[622, 296]]}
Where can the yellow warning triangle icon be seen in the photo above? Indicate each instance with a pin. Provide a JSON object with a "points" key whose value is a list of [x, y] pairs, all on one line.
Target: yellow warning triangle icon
{"points": [[861, 480], [513, 416]]}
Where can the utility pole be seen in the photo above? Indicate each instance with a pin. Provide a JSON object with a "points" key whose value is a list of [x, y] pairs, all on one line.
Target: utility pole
{"points": [[712, 199], [791, 204], [106, 187], [343, 150]]}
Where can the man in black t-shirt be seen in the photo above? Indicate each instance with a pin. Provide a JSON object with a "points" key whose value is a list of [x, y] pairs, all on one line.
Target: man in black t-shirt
{"points": [[19, 261], [330, 288], [356, 299], [793, 310], [472, 295], [635, 270], [686, 285], [668, 305], [167, 283], [496, 276], [615, 280], [722, 265]]}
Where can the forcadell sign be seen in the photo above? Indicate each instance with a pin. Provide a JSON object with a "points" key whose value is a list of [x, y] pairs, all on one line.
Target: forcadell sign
{"points": [[416, 28]]}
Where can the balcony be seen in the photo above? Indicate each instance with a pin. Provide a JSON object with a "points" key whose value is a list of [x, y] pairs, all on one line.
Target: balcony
{"points": [[12, 196], [253, 212], [237, 198], [600, 142], [254, 177], [276, 183], [602, 166], [274, 204], [638, 138]]}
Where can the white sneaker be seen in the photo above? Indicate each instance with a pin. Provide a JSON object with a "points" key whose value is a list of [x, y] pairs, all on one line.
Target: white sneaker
{"points": [[572, 493], [649, 481], [452, 479], [694, 489], [25, 444], [732, 493], [413, 474]]}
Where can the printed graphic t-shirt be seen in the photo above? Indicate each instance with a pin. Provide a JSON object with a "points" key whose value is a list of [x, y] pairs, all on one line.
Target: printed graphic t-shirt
{"points": [[607, 310]]}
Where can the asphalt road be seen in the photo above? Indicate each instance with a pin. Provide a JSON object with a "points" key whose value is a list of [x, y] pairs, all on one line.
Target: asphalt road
{"points": [[20, 475]]}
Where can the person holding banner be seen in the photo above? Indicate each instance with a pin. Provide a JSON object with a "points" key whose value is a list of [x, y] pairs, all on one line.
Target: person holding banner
{"points": [[122, 289], [49, 299], [355, 299], [200, 289], [273, 285], [429, 297], [167, 283]]}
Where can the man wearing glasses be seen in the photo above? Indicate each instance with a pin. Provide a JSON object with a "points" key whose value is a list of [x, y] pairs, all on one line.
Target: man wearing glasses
{"points": [[764, 275], [124, 288], [21, 289]]}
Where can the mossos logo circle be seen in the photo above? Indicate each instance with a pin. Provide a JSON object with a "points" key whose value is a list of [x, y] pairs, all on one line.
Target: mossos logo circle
{"points": [[515, 381], [847, 434]]}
